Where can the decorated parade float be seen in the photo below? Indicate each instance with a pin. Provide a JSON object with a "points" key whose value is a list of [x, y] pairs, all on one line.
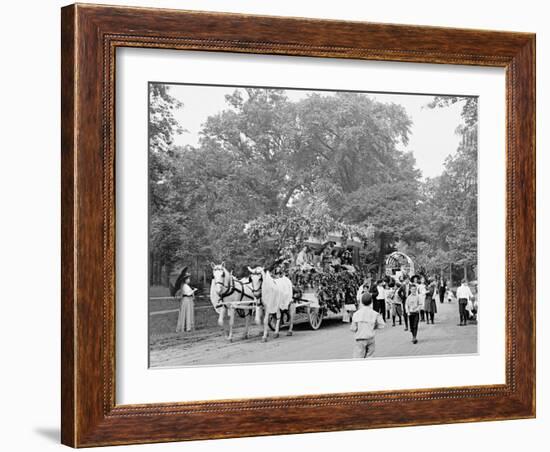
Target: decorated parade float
{"points": [[319, 257], [310, 270]]}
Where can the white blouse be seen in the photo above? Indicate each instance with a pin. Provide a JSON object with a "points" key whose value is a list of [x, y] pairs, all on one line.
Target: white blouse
{"points": [[421, 292], [186, 291]]}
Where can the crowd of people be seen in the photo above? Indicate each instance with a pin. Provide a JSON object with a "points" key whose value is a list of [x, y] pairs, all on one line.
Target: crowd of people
{"points": [[408, 300], [404, 300]]}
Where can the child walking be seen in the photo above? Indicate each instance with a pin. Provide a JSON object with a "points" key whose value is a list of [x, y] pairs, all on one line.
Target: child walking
{"points": [[363, 324], [413, 307]]}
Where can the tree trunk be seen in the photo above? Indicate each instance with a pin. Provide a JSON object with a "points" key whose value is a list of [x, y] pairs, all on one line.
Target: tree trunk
{"points": [[381, 255], [465, 271], [158, 268], [168, 271], [288, 195], [450, 274], [196, 269]]}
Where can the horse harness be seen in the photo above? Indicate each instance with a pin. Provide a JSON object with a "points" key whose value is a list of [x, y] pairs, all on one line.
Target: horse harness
{"points": [[259, 291], [231, 289]]}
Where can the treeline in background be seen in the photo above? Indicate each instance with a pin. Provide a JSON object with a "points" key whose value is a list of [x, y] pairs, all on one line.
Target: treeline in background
{"points": [[266, 165]]}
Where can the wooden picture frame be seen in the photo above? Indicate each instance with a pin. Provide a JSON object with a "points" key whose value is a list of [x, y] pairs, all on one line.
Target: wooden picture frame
{"points": [[90, 35]]}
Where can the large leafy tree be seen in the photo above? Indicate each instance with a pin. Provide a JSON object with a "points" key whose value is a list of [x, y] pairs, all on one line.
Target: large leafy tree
{"points": [[166, 224], [346, 139], [256, 134], [269, 167], [453, 195], [351, 139], [265, 155], [393, 208]]}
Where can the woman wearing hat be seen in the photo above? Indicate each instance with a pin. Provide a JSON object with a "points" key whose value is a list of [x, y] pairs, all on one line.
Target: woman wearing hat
{"points": [[421, 292], [186, 315], [430, 306]]}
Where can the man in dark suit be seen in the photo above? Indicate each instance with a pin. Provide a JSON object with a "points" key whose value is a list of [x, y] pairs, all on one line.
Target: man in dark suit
{"points": [[379, 298], [442, 290]]}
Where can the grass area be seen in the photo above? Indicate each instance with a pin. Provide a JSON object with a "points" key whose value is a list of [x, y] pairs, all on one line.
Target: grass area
{"points": [[158, 291], [202, 298]]}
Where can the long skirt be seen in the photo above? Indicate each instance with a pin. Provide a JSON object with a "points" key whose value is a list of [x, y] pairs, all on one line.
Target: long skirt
{"points": [[430, 305], [186, 316]]}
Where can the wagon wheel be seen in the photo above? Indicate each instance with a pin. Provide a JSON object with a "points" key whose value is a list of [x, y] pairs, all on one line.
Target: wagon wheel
{"points": [[315, 317], [272, 322]]}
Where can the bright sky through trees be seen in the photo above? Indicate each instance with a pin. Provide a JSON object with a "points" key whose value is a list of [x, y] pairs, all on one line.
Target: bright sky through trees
{"points": [[431, 140]]}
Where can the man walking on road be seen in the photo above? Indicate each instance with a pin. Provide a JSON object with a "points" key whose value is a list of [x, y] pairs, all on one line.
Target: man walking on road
{"points": [[441, 290], [363, 324], [403, 294], [463, 295]]}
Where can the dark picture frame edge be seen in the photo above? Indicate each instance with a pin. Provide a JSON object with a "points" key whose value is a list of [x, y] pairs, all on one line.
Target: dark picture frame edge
{"points": [[90, 35]]}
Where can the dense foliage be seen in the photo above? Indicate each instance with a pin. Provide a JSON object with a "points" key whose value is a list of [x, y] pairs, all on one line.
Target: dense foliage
{"points": [[269, 172], [336, 289]]}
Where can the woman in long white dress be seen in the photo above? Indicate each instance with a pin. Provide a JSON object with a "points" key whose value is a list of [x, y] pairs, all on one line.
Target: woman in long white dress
{"points": [[186, 316]]}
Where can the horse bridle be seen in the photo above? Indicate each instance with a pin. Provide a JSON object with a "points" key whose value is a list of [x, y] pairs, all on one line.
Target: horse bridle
{"points": [[229, 290], [257, 292]]}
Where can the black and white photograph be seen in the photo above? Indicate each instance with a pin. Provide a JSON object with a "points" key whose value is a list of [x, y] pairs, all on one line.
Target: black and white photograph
{"points": [[295, 225]]}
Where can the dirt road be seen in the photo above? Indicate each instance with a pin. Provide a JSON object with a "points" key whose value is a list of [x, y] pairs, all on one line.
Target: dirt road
{"points": [[332, 341]]}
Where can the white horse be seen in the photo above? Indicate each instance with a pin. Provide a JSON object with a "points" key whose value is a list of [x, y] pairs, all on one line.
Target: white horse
{"points": [[276, 296], [225, 289]]}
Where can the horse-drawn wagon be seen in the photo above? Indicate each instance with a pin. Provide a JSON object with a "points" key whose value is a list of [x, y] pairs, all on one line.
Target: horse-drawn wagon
{"points": [[305, 296]]}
